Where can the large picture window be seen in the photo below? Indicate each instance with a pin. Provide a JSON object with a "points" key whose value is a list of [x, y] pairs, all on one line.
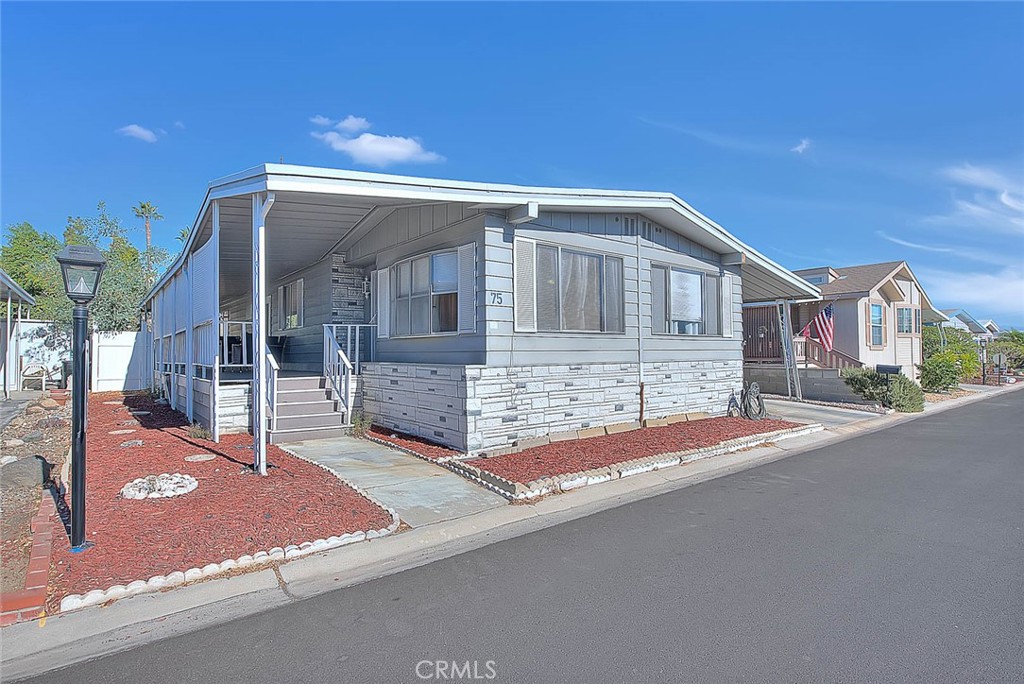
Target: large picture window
{"points": [[684, 302], [426, 299], [578, 291]]}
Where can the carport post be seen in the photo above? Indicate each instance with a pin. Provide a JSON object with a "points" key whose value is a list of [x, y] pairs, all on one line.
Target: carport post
{"points": [[260, 208]]}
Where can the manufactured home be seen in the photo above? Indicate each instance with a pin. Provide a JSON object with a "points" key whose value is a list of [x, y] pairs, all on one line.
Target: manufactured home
{"points": [[473, 315]]}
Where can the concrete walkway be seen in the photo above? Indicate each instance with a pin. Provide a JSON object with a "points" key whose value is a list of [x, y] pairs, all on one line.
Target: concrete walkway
{"points": [[421, 493]]}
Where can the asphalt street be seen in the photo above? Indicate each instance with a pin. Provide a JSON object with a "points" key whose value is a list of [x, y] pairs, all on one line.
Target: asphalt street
{"points": [[897, 556]]}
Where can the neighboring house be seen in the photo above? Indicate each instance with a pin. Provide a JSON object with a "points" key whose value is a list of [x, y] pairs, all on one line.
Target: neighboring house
{"points": [[16, 304], [474, 315], [878, 311], [992, 327], [962, 320]]}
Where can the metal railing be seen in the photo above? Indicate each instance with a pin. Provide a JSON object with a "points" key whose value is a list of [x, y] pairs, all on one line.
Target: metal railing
{"points": [[236, 343], [338, 370], [358, 341], [272, 372]]}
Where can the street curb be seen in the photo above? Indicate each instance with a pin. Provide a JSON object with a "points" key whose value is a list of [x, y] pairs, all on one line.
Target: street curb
{"points": [[518, 491], [277, 554]]}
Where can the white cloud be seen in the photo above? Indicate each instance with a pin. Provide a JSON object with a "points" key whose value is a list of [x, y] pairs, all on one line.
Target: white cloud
{"points": [[352, 124], [711, 138], [378, 150], [914, 245], [180, 125], [998, 294], [1007, 258], [369, 148], [802, 147], [977, 177], [138, 132]]}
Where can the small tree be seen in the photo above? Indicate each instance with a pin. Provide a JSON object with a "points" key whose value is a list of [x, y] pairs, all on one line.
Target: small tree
{"points": [[939, 373]]}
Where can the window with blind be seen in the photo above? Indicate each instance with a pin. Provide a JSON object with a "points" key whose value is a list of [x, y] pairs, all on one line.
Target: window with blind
{"points": [[877, 323], [904, 320], [687, 302], [426, 295], [578, 291]]}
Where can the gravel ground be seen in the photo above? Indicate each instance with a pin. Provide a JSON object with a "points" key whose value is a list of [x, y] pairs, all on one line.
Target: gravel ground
{"points": [[34, 442]]}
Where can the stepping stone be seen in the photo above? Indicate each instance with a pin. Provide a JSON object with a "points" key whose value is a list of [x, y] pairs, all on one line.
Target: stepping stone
{"points": [[34, 409], [48, 403], [120, 432], [10, 443], [139, 413], [132, 443], [199, 458], [111, 403], [34, 436], [8, 459]]}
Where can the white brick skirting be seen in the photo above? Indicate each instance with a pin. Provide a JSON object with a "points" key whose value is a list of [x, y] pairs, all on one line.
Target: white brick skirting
{"points": [[480, 408]]}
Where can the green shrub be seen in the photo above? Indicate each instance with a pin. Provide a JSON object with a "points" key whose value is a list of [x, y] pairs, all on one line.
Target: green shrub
{"points": [[866, 382], [902, 393], [939, 373], [905, 395], [967, 364]]}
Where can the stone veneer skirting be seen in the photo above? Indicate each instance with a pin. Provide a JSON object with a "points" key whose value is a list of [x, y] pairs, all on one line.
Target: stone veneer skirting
{"points": [[476, 408]]}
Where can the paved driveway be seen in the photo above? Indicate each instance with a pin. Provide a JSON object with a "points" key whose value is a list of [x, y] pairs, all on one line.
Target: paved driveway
{"points": [[829, 416], [420, 492]]}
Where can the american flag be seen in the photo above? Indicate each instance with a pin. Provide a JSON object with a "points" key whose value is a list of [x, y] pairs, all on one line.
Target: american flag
{"points": [[826, 327]]}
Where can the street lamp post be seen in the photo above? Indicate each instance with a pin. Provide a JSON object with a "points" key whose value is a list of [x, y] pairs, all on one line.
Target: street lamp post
{"points": [[82, 266]]}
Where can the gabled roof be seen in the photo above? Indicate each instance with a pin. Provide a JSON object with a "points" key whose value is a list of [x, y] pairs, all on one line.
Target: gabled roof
{"points": [[16, 291], [973, 324], [855, 279]]}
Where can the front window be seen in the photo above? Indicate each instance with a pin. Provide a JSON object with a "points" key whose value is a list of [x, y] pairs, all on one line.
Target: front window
{"points": [[684, 302], [877, 325], [578, 291], [904, 320], [917, 321], [291, 305], [426, 297]]}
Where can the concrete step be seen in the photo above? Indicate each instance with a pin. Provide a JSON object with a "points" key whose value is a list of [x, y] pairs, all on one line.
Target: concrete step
{"points": [[315, 420], [305, 408], [300, 383], [291, 396], [301, 434]]}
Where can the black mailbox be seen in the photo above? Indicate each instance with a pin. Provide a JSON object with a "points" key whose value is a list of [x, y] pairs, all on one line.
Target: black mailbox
{"points": [[888, 370]]}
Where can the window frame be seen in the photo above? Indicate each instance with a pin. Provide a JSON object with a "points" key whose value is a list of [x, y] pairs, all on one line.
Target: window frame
{"points": [[917, 321], [392, 274], [602, 270], [910, 321], [872, 325], [704, 275], [282, 322]]}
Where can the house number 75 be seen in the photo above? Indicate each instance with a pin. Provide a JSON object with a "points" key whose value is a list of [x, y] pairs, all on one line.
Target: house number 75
{"points": [[496, 298]]}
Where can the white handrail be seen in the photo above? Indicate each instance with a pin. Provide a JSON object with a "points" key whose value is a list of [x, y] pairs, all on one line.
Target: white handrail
{"points": [[338, 370], [272, 371], [351, 336]]}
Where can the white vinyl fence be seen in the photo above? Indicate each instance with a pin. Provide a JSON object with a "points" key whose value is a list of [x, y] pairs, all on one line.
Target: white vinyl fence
{"points": [[120, 362]]}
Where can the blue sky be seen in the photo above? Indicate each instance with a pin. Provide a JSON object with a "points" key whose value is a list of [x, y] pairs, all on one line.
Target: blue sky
{"points": [[822, 133]]}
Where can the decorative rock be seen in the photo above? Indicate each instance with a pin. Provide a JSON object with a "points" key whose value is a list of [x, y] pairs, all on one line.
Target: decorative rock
{"points": [[120, 432], [245, 561], [199, 458], [261, 557], [136, 587], [157, 582], [159, 486], [210, 569], [34, 436], [11, 443], [229, 564], [175, 578], [48, 403], [8, 459], [111, 403], [51, 423], [71, 602], [34, 409], [132, 443], [115, 592]]}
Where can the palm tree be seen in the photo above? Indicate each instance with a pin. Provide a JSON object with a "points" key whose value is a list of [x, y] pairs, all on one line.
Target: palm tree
{"points": [[183, 234], [148, 212]]}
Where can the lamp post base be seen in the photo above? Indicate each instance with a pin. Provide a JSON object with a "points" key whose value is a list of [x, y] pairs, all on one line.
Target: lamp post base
{"points": [[84, 546]]}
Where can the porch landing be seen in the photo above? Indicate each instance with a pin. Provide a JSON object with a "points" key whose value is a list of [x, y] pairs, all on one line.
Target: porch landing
{"points": [[421, 493]]}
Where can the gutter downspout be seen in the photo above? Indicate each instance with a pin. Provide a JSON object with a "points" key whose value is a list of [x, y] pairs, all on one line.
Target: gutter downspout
{"points": [[639, 330]]}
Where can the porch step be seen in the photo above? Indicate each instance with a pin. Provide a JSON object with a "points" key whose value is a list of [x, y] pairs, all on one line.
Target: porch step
{"points": [[305, 408], [287, 383], [301, 434], [314, 420], [298, 396]]}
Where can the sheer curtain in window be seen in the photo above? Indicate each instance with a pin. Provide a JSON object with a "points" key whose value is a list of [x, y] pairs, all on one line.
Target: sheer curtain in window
{"points": [[581, 291]]}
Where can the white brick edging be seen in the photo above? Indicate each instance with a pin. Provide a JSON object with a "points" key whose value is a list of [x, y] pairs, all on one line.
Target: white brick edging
{"points": [[514, 491], [274, 555]]}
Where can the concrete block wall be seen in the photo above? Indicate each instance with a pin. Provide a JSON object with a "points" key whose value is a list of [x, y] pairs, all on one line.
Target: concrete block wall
{"points": [[476, 408], [428, 401], [816, 384]]}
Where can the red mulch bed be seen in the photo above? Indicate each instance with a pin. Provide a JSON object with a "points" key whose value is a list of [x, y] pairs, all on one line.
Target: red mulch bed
{"points": [[579, 455], [231, 513], [417, 445]]}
